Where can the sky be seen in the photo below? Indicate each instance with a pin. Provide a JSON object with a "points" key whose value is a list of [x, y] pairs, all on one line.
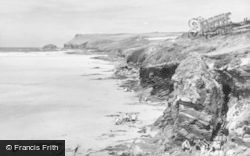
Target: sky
{"points": [[34, 23]]}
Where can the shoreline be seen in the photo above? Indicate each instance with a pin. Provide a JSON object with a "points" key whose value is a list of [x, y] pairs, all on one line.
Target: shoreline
{"points": [[57, 101], [130, 131]]}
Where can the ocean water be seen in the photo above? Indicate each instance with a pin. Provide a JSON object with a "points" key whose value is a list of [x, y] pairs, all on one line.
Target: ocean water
{"points": [[20, 49]]}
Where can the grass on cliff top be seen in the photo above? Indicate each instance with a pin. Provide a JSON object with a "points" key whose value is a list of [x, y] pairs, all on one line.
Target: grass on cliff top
{"points": [[183, 47], [113, 42]]}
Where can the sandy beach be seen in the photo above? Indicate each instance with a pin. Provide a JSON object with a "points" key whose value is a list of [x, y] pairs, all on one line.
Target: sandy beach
{"points": [[66, 97]]}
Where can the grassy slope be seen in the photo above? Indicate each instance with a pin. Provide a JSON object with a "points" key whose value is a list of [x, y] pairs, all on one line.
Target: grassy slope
{"points": [[113, 42], [218, 45]]}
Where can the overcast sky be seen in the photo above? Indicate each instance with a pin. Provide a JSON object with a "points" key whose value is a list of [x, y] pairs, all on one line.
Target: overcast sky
{"points": [[35, 23]]}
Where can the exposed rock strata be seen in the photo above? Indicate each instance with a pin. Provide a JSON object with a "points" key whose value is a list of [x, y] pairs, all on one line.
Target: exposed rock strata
{"points": [[205, 85], [197, 109]]}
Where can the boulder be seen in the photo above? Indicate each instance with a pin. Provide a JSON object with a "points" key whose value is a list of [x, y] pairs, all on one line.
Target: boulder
{"points": [[49, 47]]}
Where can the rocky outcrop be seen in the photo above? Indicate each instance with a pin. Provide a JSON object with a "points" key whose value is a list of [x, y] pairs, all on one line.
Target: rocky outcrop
{"points": [[211, 98], [205, 85], [158, 77], [75, 46], [197, 107], [234, 70], [50, 47], [207, 100]]}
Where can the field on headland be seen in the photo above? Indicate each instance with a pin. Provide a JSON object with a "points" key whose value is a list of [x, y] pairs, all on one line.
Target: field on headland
{"points": [[116, 42]]}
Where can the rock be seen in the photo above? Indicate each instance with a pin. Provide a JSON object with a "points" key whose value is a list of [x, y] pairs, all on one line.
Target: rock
{"points": [[75, 46], [50, 47], [202, 97], [159, 78], [199, 100], [162, 71]]}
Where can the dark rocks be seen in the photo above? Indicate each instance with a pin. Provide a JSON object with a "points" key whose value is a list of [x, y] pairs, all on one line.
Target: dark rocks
{"points": [[159, 78], [205, 88], [198, 102], [75, 46], [163, 71], [50, 47]]}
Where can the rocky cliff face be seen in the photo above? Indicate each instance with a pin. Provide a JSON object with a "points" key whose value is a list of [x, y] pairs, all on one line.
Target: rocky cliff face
{"points": [[197, 110], [158, 77]]}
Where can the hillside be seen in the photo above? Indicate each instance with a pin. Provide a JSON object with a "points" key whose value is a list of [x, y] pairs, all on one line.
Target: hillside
{"points": [[115, 42]]}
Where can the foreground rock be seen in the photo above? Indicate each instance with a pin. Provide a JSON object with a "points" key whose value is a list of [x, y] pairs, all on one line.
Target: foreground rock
{"points": [[197, 110]]}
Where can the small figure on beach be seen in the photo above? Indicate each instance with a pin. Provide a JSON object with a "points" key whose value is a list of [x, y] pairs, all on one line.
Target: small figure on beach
{"points": [[201, 143], [118, 121], [126, 117], [219, 141], [203, 150], [216, 145], [126, 89], [143, 99], [134, 117], [186, 146], [206, 151], [213, 152]]}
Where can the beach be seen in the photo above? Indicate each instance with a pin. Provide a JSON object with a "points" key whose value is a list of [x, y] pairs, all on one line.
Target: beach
{"points": [[54, 95]]}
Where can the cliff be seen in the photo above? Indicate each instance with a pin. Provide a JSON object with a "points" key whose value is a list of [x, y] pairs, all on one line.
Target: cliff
{"points": [[112, 42], [205, 85]]}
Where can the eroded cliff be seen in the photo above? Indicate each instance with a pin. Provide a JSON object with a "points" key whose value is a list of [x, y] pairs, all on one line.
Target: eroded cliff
{"points": [[205, 85]]}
